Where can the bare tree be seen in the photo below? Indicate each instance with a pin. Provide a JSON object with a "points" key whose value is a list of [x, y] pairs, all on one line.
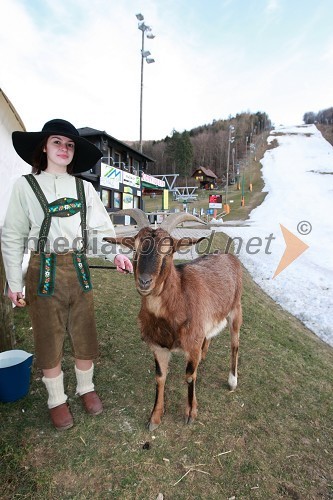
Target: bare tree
{"points": [[209, 144]]}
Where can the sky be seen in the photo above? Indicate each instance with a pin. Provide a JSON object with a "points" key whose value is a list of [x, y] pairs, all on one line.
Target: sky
{"points": [[298, 176], [80, 60]]}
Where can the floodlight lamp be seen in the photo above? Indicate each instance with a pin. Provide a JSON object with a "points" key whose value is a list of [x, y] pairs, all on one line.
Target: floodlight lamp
{"points": [[145, 53], [142, 26], [139, 17], [150, 36], [150, 60]]}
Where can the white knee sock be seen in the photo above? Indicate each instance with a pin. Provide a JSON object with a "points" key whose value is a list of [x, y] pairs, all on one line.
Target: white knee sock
{"points": [[55, 389], [84, 380]]}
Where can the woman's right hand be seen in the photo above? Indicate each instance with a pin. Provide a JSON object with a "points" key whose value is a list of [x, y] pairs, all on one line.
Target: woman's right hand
{"points": [[15, 297]]}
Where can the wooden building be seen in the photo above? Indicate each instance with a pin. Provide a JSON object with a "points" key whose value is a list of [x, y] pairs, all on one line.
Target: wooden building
{"points": [[117, 176], [205, 178], [11, 165]]}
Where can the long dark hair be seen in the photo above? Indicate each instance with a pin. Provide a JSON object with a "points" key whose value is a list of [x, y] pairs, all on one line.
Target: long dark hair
{"points": [[39, 160]]}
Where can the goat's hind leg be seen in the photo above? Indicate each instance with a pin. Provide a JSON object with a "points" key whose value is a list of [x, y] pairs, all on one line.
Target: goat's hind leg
{"points": [[193, 360], [235, 322], [162, 357]]}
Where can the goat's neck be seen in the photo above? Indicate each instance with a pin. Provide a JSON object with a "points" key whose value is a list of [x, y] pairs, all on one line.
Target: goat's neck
{"points": [[162, 301], [170, 284]]}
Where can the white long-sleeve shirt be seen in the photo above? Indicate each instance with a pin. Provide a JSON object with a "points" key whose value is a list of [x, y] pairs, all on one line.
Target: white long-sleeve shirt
{"points": [[25, 215]]}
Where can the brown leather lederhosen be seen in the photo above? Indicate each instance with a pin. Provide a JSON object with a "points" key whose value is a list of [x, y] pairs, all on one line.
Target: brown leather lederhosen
{"points": [[57, 286]]}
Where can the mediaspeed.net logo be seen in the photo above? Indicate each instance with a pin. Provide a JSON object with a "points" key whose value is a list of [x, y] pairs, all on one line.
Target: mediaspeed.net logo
{"points": [[294, 246], [254, 245]]}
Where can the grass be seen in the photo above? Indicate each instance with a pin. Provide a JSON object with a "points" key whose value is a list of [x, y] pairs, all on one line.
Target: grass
{"points": [[270, 439]]}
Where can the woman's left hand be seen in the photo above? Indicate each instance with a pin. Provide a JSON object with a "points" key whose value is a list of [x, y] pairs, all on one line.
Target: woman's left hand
{"points": [[124, 265]]}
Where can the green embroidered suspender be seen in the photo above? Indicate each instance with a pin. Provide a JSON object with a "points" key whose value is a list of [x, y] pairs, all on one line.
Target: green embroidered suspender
{"points": [[64, 207]]}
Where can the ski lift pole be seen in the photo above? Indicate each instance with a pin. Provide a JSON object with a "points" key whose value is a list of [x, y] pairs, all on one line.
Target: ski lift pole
{"points": [[243, 198]]}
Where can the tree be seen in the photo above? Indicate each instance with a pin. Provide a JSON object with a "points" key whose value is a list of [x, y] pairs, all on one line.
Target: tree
{"points": [[309, 117], [179, 152], [206, 145], [186, 155]]}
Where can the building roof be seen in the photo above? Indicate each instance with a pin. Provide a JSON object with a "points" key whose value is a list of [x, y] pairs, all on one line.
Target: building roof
{"points": [[88, 131], [206, 171]]}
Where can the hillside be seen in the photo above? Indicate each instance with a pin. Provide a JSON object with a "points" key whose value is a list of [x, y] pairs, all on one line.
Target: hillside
{"points": [[323, 120], [327, 131], [209, 145]]}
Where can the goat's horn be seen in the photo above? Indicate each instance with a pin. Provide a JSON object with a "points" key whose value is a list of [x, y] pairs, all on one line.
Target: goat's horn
{"points": [[173, 220], [138, 215]]}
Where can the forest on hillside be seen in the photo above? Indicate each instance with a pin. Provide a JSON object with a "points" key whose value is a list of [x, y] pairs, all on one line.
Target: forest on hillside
{"points": [[324, 117], [212, 146]]}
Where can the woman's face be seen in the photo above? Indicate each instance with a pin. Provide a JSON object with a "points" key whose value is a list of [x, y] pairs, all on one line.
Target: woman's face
{"points": [[59, 150]]}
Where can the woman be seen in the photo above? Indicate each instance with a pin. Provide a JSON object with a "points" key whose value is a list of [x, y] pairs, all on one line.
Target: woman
{"points": [[59, 218]]}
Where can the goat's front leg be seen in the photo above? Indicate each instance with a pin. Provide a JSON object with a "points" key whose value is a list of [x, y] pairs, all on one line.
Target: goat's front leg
{"points": [[162, 357], [193, 360], [204, 349]]}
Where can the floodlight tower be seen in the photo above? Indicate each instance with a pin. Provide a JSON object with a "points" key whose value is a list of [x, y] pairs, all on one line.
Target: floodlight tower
{"points": [[230, 141], [146, 30]]}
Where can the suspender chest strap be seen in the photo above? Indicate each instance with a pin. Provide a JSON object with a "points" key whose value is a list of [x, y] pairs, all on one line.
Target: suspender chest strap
{"points": [[63, 207]]}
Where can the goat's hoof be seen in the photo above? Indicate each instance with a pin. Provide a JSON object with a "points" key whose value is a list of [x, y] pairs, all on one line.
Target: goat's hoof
{"points": [[189, 420], [232, 382], [152, 426]]}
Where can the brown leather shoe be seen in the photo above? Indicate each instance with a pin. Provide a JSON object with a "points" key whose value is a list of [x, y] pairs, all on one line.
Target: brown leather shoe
{"points": [[92, 404], [61, 417]]}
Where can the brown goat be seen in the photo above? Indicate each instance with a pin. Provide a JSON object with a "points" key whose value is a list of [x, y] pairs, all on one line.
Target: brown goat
{"points": [[183, 306]]}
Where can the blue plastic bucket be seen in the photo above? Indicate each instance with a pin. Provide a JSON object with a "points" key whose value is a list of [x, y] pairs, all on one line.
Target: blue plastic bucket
{"points": [[15, 370]]}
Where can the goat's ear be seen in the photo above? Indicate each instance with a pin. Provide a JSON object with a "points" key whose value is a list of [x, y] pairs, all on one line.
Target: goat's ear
{"points": [[186, 242], [126, 241]]}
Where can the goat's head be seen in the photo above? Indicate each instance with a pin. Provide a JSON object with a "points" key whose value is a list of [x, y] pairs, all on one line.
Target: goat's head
{"points": [[153, 249]]}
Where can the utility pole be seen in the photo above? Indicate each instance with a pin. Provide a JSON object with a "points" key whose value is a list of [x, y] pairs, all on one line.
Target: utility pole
{"points": [[230, 140]]}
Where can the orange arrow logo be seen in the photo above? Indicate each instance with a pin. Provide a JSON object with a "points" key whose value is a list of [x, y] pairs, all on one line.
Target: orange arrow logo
{"points": [[294, 248]]}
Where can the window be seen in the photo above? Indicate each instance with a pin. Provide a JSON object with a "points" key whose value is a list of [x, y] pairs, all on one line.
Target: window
{"points": [[109, 157], [136, 202], [116, 199], [136, 167], [117, 159], [106, 198]]}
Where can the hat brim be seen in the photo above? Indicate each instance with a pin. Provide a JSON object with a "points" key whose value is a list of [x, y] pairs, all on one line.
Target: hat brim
{"points": [[85, 157]]}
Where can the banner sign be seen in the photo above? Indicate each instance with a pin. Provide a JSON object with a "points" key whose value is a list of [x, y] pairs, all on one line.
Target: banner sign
{"points": [[215, 201], [131, 180], [110, 176], [152, 180]]}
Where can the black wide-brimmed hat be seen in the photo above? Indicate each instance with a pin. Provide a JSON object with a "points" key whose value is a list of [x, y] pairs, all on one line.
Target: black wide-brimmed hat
{"points": [[86, 154]]}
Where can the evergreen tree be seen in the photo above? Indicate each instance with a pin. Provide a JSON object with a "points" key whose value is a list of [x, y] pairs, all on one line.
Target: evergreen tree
{"points": [[186, 155], [179, 151]]}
